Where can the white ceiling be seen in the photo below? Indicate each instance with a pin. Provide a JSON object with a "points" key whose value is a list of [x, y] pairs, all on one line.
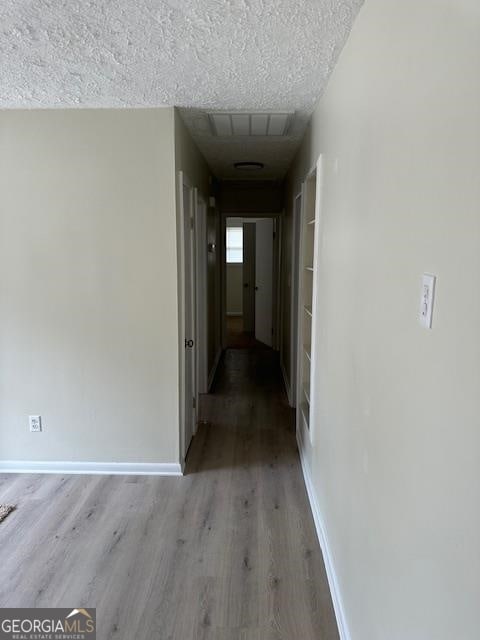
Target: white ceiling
{"points": [[202, 55]]}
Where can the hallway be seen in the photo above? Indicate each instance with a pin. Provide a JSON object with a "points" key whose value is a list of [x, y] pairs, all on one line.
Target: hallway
{"points": [[227, 552], [274, 582], [240, 318]]}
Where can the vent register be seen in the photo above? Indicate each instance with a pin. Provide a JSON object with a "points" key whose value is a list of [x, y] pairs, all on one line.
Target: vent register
{"points": [[225, 124]]}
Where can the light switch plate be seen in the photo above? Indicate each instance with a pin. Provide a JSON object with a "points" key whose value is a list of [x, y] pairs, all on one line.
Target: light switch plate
{"points": [[426, 300], [35, 423]]}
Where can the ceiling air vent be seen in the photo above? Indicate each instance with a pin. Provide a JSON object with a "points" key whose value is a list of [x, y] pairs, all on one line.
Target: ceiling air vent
{"points": [[250, 124]]}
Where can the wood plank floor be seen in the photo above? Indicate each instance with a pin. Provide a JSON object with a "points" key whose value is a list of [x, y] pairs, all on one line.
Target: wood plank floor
{"points": [[228, 552], [237, 338]]}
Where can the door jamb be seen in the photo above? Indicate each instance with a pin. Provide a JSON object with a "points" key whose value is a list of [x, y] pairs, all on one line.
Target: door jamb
{"points": [[276, 272], [201, 291], [183, 181]]}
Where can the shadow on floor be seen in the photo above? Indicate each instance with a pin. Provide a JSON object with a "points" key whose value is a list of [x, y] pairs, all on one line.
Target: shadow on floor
{"points": [[246, 421], [237, 338]]}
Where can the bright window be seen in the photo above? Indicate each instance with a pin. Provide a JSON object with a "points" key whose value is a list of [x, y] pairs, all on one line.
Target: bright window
{"points": [[235, 244]]}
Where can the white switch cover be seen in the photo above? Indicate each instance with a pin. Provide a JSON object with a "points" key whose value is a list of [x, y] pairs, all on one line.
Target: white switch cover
{"points": [[35, 423], [426, 302]]}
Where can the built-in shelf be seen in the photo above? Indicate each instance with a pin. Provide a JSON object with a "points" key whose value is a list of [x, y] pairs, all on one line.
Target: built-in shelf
{"points": [[306, 295]]}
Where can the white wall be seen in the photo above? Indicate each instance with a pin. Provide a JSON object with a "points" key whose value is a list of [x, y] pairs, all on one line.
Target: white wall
{"points": [[88, 304], [395, 460]]}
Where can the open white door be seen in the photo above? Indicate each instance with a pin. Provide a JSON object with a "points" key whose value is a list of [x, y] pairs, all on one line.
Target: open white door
{"points": [[189, 365], [264, 281]]}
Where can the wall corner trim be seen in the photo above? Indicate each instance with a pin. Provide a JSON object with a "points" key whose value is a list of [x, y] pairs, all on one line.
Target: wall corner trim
{"points": [[211, 375], [324, 545], [93, 468], [286, 382]]}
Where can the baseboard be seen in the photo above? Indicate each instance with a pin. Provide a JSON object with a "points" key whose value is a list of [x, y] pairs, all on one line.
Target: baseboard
{"points": [[234, 314], [286, 383], [93, 468], [327, 556], [211, 376]]}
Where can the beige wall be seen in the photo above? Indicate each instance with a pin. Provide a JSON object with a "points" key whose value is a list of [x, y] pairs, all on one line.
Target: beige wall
{"points": [[88, 304], [395, 457], [189, 159]]}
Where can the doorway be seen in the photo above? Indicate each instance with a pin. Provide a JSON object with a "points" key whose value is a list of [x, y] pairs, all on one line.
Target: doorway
{"points": [[188, 319], [250, 278]]}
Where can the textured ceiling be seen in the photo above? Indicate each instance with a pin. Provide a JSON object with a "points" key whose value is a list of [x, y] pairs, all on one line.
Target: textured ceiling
{"points": [[196, 54]]}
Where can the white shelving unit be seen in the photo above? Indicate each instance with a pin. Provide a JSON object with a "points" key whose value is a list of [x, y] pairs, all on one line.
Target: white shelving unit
{"points": [[307, 284]]}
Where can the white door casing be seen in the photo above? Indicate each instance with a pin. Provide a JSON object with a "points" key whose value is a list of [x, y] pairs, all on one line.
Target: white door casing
{"points": [[188, 315], [264, 281], [201, 293]]}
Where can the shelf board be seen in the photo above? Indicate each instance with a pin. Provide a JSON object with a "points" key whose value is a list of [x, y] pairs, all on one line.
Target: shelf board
{"points": [[308, 310], [309, 269], [307, 395], [305, 414], [311, 221]]}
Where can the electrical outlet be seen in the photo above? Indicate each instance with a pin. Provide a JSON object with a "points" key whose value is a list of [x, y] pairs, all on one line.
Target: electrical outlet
{"points": [[35, 423]]}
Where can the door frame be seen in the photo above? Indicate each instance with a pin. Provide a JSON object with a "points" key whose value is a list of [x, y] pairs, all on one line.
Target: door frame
{"points": [[277, 244], [201, 244], [295, 286], [277, 280], [183, 181]]}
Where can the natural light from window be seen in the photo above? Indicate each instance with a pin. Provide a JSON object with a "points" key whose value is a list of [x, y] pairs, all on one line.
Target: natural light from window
{"points": [[234, 245]]}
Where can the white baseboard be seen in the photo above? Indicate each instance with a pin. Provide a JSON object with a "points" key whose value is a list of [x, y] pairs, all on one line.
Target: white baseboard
{"points": [[235, 314], [286, 383], [211, 375], [93, 468], [327, 555]]}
